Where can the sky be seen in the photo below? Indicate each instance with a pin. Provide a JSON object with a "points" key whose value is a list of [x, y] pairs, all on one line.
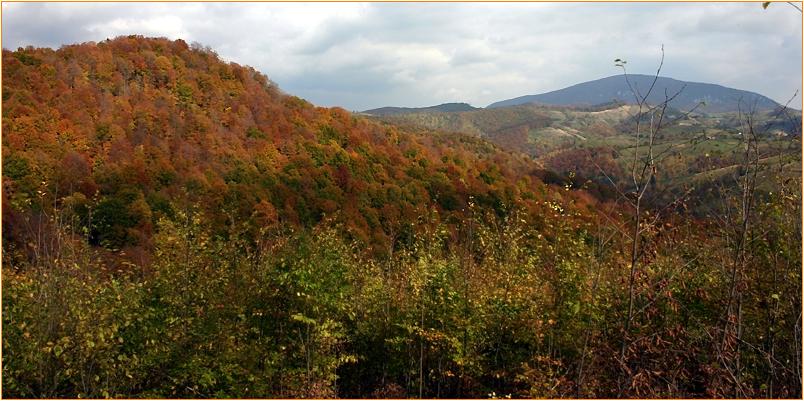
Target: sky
{"points": [[367, 55]]}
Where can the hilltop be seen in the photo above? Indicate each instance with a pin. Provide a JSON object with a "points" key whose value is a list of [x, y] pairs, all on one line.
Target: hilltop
{"points": [[445, 107], [702, 97], [136, 128]]}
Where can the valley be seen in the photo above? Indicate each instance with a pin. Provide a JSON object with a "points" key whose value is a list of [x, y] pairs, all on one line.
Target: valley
{"points": [[598, 143]]}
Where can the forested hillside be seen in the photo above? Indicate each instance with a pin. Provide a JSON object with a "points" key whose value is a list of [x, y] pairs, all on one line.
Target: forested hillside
{"points": [[133, 130], [177, 226]]}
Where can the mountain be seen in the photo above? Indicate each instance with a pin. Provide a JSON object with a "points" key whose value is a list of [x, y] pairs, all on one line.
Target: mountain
{"points": [[446, 108], [716, 98]]}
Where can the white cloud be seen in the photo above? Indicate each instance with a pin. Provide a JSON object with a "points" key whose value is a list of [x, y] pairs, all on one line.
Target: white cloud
{"points": [[364, 55], [167, 25]]}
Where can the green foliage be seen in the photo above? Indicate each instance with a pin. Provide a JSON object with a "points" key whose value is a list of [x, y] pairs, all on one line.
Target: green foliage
{"points": [[184, 93], [79, 347], [497, 306], [102, 133], [116, 216], [27, 59], [15, 167], [255, 133]]}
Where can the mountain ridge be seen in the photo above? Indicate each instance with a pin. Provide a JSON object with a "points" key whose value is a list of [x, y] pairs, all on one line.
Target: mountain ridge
{"points": [[443, 107], [704, 97]]}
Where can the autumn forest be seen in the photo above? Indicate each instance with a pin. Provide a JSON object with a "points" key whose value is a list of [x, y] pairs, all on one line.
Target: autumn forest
{"points": [[177, 226]]}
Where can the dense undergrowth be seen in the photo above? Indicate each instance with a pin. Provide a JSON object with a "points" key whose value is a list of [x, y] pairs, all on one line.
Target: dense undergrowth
{"points": [[495, 307]]}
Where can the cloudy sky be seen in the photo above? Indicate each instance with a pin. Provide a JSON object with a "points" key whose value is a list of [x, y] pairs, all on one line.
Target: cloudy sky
{"points": [[366, 55]]}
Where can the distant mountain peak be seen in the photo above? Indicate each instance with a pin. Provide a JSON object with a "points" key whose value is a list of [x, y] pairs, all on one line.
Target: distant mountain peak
{"points": [[708, 98], [441, 108]]}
